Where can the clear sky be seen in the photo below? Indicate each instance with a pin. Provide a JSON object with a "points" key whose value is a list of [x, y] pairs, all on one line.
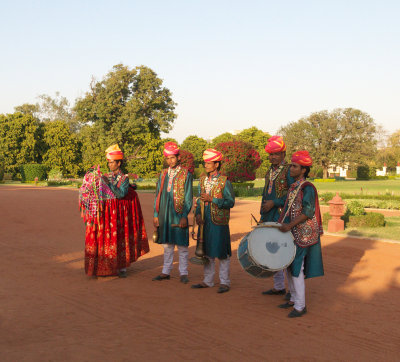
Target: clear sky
{"points": [[229, 64]]}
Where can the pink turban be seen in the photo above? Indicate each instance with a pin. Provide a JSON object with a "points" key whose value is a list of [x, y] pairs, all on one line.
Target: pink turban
{"points": [[275, 144], [302, 158], [114, 153], [171, 149], [212, 154]]}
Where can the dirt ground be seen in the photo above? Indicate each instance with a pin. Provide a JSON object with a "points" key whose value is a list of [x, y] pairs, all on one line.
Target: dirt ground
{"points": [[51, 311]]}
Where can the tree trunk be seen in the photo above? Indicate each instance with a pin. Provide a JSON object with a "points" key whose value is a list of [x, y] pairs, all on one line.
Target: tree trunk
{"points": [[325, 172]]}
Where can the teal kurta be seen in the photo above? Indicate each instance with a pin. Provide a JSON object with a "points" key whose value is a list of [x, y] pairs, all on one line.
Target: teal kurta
{"points": [[119, 184], [313, 266], [217, 238], [274, 214], [168, 216]]}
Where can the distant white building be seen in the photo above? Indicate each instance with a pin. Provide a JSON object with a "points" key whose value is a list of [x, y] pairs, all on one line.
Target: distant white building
{"points": [[383, 171], [398, 168], [340, 171]]}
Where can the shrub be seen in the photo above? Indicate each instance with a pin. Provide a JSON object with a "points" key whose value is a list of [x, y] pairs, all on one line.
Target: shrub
{"points": [[55, 174], [199, 171], [1, 169], [324, 180], [355, 208], [32, 170], [240, 160], [245, 192], [371, 219], [59, 182], [248, 185]]}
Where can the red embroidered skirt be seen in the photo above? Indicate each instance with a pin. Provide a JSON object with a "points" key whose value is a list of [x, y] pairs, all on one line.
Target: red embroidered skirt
{"points": [[118, 238]]}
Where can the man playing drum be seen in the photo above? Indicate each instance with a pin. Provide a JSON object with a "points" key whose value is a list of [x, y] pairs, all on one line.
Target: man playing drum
{"points": [[174, 198], [301, 215], [277, 182], [217, 194]]}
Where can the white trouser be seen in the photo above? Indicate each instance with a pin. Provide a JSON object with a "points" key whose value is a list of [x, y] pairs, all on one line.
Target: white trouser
{"points": [[279, 280], [209, 272], [169, 259], [297, 288]]}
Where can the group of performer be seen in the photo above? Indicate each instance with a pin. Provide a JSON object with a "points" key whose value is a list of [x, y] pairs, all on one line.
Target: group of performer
{"points": [[116, 236]]}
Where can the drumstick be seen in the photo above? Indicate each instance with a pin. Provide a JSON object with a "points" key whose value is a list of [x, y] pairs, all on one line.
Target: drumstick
{"points": [[267, 226]]}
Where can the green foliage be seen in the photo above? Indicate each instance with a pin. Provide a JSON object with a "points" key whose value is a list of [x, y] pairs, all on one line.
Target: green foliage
{"points": [[355, 208], [324, 180], [338, 137], [20, 141], [129, 107], [248, 185], [224, 137], [63, 151], [241, 191], [30, 171], [199, 171], [196, 146], [1, 169], [371, 219]]}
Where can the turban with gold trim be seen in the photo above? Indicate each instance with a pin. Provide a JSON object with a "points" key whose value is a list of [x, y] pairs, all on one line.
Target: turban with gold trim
{"points": [[302, 158], [212, 155], [171, 149], [275, 144], [114, 153]]}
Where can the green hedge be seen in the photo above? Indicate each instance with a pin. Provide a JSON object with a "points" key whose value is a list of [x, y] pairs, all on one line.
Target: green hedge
{"points": [[1, 170], [246, 192], [371, 219], [32, 170], [59, 182], [248, 185], [324, 179]]}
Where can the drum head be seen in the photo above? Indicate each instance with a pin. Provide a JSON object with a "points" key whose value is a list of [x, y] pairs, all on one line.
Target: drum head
{"points": [[271, 248]]}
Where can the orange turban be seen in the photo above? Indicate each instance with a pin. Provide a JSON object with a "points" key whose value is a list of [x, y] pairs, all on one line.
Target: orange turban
{"points": [[114, 153], [302, 158], [171, 149], [275, 144], [212, 154]]}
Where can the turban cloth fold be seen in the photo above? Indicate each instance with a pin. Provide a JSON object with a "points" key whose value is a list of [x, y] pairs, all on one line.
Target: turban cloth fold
{"points": [[114, 153], [302, 158], [212, 154], [275, 144], [171, 149]]}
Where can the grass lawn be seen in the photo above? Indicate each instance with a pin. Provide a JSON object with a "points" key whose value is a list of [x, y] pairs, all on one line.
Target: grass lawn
{"points": [[390, 231]]}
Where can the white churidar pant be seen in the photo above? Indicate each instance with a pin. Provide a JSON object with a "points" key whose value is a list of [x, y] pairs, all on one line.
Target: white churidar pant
{"points": [[169, 259], [209, 272], [279, 280], [297, 289]]}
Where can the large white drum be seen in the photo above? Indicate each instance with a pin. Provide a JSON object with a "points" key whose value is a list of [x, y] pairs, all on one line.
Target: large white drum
{"points": [[266, 250]]}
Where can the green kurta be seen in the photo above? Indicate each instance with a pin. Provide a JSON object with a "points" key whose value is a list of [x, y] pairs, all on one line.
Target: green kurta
{"points": [[168, 216], [119, 184], [279, 202], [313, 266], [217, 238]]}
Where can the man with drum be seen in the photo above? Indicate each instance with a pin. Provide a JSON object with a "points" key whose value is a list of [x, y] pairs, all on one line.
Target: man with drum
{"points": [[174, 198], [301, 215], [277, 182], [216, 192]]}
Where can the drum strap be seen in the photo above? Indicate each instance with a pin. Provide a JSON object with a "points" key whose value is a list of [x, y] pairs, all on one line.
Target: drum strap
{"points": [[291, 196]]}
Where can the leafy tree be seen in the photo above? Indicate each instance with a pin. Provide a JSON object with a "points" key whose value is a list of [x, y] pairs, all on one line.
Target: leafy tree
{"points": [[20, 140], [240, 160], [224, 137], [338, 137], [258, 139], [63, 149], [196, 146], [129, 107]]}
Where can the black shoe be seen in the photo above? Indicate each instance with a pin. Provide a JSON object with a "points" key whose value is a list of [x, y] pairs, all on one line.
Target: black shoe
{"points": [[161, 277], [287, 296], [295, 313], [122, 274], [184, 279], [199, 286], [286, 305], [274, 292], [223, 288]]}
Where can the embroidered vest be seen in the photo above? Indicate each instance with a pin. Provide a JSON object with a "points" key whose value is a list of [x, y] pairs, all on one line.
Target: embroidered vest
{"points": [[281, 184], [178, 189], [307, 232], [218, 216]]}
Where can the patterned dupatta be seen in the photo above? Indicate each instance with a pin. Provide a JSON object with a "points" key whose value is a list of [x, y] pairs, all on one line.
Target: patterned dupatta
{"points": [[273, 174]]}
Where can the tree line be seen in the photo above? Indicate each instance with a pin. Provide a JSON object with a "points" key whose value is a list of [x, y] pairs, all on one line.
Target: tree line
{"points": [[131, 107]]}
